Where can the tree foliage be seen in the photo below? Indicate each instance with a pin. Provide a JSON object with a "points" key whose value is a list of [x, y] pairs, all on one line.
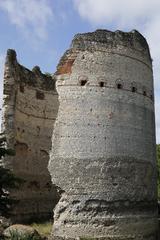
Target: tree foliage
{"points": [[7, 181], [158, 163]]}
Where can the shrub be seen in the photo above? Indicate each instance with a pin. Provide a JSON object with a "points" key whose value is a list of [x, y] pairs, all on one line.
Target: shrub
{"points": [[7, 181]]}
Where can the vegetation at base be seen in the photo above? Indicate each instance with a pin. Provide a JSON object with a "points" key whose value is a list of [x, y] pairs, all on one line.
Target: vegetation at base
{"points": [[158, 161], [44, 229], [7, 181], [14, 235]]}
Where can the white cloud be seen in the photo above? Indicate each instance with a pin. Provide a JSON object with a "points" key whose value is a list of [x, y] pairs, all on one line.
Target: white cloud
{"points": [[30, 16], [123, 13], [126, 15]]}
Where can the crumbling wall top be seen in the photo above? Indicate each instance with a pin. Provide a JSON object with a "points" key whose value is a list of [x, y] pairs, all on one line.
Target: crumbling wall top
{"points": [[11, 56], [33, 78], [132, 39], [130, 44]]}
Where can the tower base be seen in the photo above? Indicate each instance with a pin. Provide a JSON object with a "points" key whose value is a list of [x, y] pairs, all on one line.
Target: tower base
{"points": [[78, 217]]}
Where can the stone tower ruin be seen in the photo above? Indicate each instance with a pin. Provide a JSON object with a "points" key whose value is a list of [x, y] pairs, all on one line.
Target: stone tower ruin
{"points": [[30, 105], [103, 147]]}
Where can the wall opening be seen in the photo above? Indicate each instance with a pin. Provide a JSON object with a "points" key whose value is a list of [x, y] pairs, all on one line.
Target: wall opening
{"points": [[21, 88], [134, 89], [39, 95], [119, 86], [144, 93], [83, 82], [101, 84]]}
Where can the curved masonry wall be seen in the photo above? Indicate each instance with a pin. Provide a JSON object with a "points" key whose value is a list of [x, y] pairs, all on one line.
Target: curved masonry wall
{"points": [[30, 108], [103, 147]]}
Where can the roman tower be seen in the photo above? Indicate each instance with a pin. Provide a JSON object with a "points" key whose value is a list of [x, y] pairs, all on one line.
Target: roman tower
{"points": [[103, 149]]}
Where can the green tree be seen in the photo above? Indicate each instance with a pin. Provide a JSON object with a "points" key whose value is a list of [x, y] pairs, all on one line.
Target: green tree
{"points": [[7, 181], [158, 162]]}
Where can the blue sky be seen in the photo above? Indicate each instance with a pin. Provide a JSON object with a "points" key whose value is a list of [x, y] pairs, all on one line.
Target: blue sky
{"points": [[41, 30]]}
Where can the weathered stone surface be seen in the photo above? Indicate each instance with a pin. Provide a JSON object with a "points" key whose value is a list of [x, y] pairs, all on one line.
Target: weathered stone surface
{"points": [[21, 231], [103, 147], [4, 223], [29, 110]]}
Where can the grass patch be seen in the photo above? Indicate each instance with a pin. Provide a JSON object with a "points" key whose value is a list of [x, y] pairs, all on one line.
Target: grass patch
{"points": [[14, 235], [44, 229]]}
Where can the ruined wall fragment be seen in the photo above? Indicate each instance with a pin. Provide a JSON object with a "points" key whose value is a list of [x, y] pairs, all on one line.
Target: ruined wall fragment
{"points": [[103, 147], [29, 110]]}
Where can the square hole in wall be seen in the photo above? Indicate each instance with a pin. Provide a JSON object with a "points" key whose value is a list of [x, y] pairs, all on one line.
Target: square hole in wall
{"points": [[119, 85], [21, 88], [83, 82], [144, 93], [134, 89], [39, 95], [101, 84]]}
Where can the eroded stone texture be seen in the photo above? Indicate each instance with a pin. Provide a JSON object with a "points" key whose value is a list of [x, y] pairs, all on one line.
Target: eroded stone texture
{"points": [[29, 111], [103, 149]]}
